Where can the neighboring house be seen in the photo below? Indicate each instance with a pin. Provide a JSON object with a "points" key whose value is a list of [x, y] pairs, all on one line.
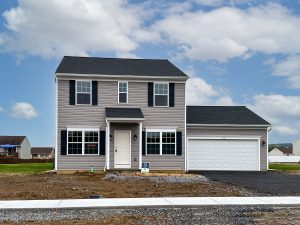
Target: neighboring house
{"points": [[281, 151], [42, 152], [117, 113], [296, 146], [15, 146]]}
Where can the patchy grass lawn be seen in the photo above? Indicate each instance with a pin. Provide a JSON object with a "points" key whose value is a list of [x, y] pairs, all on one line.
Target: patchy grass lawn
{"points": [[25, 167], [284, 166]]}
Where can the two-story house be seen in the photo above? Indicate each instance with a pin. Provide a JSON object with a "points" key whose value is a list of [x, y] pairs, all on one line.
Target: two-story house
{"points": [[117, 113]]}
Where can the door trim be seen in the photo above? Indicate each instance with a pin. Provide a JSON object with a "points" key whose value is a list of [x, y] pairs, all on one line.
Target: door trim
{"points": [[118, 165], [227, 138]]}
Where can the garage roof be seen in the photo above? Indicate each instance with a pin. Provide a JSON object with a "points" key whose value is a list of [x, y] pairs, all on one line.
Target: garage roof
{"points": [[223, 115], [119, 66]]}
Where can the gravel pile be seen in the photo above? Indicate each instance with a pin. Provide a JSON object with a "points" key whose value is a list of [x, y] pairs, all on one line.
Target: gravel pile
{"points": [[202, 215], [157, 179]]}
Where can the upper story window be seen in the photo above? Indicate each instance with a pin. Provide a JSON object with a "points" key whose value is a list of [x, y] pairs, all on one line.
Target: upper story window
{"points": [[123, 91], [83, 92], [161, 94]]}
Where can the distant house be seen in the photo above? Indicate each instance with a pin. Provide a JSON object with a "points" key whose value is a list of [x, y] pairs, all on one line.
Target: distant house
{"points": [[296, 146], [15, 146], [281, 151], [42, 152]]}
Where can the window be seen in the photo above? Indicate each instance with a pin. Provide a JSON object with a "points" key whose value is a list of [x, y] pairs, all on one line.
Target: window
{"points": [[161, 94], [83, 142], [153, 143], [91, 142], [161, 142], [123, 92], [83, 92], [168, 143]]}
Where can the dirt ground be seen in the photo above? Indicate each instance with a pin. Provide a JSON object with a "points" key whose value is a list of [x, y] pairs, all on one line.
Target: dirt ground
{"points": [[83, 185]]}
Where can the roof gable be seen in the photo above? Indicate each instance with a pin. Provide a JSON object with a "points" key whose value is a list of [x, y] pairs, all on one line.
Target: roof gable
{"points": [[119, 66], [223, 115]]}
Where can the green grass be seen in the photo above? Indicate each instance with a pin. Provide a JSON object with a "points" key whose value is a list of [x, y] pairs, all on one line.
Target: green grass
{"points": [[25, 167], [284, 166]]}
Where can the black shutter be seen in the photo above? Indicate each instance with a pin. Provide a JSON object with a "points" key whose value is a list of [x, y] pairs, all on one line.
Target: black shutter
{"points": [[179, 143], [94, 92], [72, 92], [150, 94], [63, 142], [102, 141], [143, 142], [171, 94]]}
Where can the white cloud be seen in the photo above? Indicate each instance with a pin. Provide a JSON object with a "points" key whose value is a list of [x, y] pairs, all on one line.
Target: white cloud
{"points": [[1, 109], [52, 28], [228, 32], [283, 112], [290, 69], [23, 110], [199, 92]]}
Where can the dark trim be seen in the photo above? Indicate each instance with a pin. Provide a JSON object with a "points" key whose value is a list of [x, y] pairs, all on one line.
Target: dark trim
{"points": [[179, 143], [72, 92], [171, 94], [150, 94], [63, 143], [102, 141], [94, 92], [143, 142]]}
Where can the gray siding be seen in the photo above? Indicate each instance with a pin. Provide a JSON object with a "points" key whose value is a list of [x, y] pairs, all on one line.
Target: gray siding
{"points": [[208, 131], [94, 116], [25, 150]]}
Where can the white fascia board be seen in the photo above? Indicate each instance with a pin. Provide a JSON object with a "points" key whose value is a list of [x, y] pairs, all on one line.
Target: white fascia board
{"points": [[99, 76]]}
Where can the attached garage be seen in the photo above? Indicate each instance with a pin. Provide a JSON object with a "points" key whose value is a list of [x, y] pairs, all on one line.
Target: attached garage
{"points": [[223, 154], [226, 138]]}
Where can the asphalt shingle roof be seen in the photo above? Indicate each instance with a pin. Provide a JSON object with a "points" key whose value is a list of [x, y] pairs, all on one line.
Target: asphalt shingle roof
{"points": [[133, 113], [236, 115], [13, 140], [119, 66], [39, 150]]}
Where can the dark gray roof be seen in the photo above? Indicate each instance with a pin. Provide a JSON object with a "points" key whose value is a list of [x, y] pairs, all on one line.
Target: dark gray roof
{"points": [[118, 66], [13, 140], [236, 115], [132, 113], [39, 150]]}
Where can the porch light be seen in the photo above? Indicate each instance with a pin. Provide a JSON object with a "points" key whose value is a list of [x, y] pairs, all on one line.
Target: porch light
{"points": [[135, 137], [263, 142], [110, 136]]}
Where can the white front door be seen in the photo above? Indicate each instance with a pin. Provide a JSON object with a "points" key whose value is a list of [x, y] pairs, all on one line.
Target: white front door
{"points": [[122, 149]]}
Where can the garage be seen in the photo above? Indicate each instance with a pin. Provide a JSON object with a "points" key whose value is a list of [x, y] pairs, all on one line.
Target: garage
{"points": [[226, 138], [223, 154]]}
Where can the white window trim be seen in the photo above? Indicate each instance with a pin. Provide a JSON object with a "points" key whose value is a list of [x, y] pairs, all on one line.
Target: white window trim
{"points": [[122, 92], [160, 144], [83, 141], [83, 92], [168, 105]]}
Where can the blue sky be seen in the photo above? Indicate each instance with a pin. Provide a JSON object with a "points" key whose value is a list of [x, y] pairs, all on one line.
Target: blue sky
{"points": [[237, 52]]}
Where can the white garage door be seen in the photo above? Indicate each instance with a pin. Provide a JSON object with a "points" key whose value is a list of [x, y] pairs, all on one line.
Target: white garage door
{"points": [[225, 154]]}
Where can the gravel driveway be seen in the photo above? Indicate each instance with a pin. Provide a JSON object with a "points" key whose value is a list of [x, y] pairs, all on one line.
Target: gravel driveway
{"points": [[271, 182], [203, 215]]}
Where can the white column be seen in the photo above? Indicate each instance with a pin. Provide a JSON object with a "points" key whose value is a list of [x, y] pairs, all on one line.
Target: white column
{"points": [[140, 146], [107, 143]]}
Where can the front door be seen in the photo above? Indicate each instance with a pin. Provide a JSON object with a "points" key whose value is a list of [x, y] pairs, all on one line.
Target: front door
{"points": [[122, 149]]}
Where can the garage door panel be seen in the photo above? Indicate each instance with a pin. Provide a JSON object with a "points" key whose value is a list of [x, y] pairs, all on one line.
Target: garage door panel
{"points": [[223, 154]]}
